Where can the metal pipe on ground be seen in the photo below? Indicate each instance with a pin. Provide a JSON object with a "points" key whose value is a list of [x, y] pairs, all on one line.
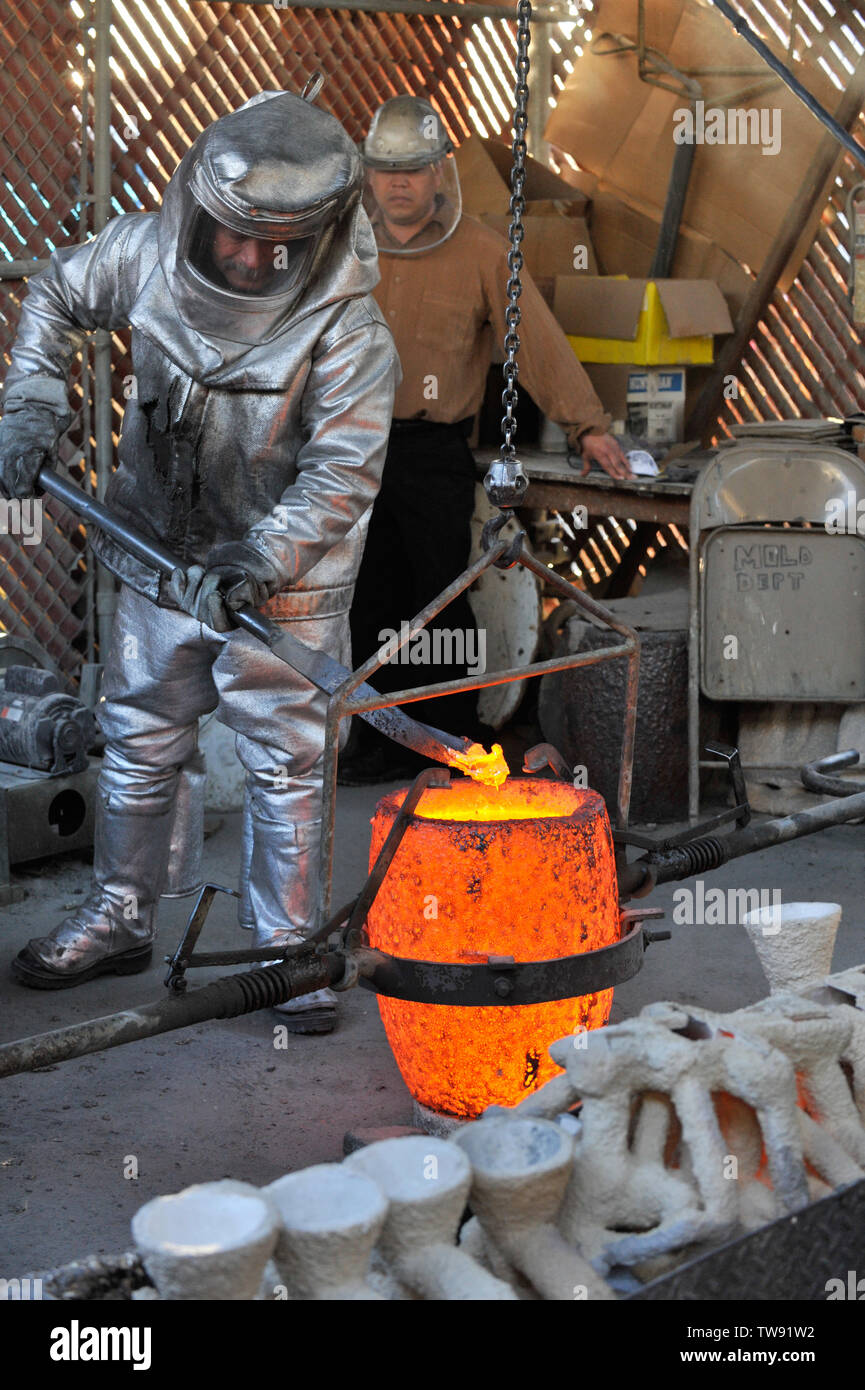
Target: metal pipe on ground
{"points": [[249, 991], [710, 852], [242, 993]]}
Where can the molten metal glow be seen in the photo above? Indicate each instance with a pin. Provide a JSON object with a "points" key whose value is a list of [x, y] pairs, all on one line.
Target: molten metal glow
{"points": [[490, 769], [524, 799], [526, 871]]}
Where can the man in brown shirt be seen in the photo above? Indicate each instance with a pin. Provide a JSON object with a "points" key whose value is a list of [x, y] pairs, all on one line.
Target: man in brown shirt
{"points": [[443, 295]]}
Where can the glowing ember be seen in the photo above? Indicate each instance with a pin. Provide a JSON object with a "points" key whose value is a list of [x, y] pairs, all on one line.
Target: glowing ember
{"points": [[526, 871], [490, 769]]}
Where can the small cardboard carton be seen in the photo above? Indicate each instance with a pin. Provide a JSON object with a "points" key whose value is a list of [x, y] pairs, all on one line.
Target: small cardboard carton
{"points": [[643, 322], [656, 404], [625, 238], [645, 408]]}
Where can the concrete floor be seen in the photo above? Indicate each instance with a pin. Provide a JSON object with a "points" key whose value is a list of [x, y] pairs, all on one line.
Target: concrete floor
{"points": [[220, 1100]]}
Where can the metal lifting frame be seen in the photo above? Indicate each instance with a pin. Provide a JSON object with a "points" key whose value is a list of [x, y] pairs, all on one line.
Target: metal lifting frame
{"points": [[341, 705]]}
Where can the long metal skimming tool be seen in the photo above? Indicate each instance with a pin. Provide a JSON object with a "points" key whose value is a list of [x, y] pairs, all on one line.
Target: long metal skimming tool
{"points": [[319, 669]]}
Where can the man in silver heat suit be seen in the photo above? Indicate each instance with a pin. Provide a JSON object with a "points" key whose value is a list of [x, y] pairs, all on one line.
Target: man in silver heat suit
{"points": [[252, 447]]}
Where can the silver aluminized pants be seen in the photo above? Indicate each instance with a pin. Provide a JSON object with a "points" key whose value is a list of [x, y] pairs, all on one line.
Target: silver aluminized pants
{"points": [[164, 671]]}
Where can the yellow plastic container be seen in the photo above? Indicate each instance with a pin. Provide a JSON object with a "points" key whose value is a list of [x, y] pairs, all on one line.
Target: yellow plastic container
{"points": [[652, 346]]}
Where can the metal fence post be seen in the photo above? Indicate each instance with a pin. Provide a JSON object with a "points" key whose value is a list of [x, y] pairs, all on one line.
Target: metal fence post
{"points": [[106, 597]]}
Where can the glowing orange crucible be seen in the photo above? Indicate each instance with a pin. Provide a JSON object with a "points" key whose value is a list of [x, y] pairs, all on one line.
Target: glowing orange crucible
{"points": [[527, 871]]}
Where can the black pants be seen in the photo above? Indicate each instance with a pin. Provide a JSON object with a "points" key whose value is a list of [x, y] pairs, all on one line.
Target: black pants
{"points": [[418, 542]]}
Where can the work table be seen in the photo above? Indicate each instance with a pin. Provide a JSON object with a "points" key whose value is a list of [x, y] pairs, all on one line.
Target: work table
{"points": [[554, 484]]}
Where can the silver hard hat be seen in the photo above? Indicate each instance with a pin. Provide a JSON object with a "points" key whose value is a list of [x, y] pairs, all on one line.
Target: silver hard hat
{"points": [[406, 133]]}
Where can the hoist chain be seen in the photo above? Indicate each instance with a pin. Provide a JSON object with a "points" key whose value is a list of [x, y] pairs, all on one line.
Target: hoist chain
{"points": [[516, 230], [505, 482]]}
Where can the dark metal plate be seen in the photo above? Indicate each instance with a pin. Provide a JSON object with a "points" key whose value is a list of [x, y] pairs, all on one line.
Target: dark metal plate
{"points": [[793, 1258]]}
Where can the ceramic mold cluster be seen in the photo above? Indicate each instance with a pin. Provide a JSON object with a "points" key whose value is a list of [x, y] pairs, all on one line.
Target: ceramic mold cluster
{"points": [[695, 1127], [381, 1225]]}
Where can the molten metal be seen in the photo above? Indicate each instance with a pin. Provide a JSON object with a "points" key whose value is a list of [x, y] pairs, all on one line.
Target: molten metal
{"points": [[526, 871], [490, 769]]}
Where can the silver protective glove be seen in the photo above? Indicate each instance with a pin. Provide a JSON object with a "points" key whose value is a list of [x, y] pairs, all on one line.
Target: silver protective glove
{"points": [[28, 439], [235, 574]]}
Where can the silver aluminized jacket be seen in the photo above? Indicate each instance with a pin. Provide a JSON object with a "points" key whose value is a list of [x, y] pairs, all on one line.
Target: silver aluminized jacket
{"points": [[281, 444], [256, 418]]}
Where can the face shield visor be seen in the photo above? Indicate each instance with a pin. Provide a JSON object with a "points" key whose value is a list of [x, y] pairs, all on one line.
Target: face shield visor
{"points": [[235, 263], [413, 210]]}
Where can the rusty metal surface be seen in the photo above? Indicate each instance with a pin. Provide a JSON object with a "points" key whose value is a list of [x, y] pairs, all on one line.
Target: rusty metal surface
{"points": [[554, 484], [609, 501]]}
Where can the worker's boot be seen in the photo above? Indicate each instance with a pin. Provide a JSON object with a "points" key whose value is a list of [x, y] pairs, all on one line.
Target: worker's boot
{"points": [[281, 888], [112, 932]]}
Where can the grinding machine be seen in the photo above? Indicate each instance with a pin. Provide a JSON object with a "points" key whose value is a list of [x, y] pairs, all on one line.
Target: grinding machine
{"points": [[47, 781]]}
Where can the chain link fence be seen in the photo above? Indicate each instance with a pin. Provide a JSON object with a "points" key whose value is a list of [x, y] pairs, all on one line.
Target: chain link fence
{"points": [[45, 585], [174, 68], [77, 151]]}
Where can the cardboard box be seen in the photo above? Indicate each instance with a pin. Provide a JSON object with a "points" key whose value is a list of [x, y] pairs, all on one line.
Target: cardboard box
{"points": [[611, 384], [484, 167], [644, 322], [557, 240], [621, 129], [656, 404], [552, 246], [625, 236]]}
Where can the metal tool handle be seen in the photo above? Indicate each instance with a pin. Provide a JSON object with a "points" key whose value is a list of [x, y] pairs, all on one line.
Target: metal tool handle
{"points": [[316, 666], [144, 548]]}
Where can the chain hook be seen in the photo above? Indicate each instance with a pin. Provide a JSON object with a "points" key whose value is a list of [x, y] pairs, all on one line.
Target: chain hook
{"points": [[506, 482], [491, 530]]}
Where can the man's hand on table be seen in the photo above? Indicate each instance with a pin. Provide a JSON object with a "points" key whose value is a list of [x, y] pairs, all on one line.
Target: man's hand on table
{"points": [[603, 450]]}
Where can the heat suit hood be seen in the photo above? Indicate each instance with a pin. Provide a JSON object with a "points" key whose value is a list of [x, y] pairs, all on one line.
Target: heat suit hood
{"points": [[279, 170]]}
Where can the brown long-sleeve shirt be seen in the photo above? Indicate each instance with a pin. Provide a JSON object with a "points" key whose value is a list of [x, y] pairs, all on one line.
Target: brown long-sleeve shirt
{"points": [[446, 309]]}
